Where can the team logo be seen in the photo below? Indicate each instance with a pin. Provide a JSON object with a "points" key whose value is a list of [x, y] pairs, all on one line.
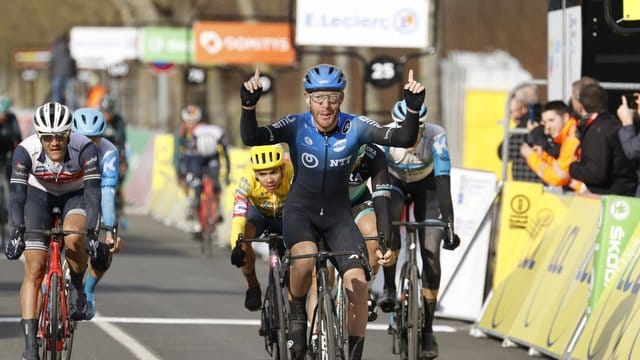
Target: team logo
{"points": [[346, 127], [340, 145], [620, 210], [309, 160], [308, 141]]}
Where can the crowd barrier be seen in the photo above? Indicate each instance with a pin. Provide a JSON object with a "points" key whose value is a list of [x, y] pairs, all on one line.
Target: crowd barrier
{"points": [[568, 277]]}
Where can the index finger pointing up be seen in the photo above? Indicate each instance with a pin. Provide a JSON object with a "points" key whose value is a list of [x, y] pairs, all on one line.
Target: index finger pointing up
{"points": [[257, 73], [410, 76]]}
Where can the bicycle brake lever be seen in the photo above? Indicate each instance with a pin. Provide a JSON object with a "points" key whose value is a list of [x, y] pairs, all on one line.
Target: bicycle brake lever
{"points": [[362, 255]]}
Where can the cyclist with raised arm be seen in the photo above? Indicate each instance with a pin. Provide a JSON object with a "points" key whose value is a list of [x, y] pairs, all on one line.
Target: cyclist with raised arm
{"points": [[420, 174], [257, 206], [323, 144], [53, 168], [197, 153], [90, 123]]}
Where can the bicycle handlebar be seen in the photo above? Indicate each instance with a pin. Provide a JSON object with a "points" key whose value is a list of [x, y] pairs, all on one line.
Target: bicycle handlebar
{"points": [[424, 223], [381, 244], [361, 253], [271, 239]]}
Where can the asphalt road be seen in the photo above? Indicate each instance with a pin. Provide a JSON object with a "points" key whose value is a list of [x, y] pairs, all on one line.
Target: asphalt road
{"points": [[162, 299]]}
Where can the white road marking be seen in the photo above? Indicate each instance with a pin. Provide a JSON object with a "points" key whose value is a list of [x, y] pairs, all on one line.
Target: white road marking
{"points": [[126, 340], [101, 320]]}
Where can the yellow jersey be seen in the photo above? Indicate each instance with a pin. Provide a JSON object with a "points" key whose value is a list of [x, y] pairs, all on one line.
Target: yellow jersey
{"points": [[251, 192]]}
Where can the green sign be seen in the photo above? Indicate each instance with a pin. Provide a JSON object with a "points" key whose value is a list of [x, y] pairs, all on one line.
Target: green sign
{"points": [[166, 44], [619, 219]]}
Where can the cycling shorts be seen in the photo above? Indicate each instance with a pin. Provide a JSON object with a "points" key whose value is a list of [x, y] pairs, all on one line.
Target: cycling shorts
{"points": [[38, 210], [360, 209], [265, 224]]}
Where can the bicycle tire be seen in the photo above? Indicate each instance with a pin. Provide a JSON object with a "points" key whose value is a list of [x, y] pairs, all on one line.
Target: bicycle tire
{"points": [[282, 352], [208, 217], [327, 347], [342, 306], [414, 325], [71, 329], [54, 319]]}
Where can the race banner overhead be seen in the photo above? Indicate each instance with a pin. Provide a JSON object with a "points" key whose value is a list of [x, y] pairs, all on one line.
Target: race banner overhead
{"points": [[243, 43], [99, 47], [368, 23]]}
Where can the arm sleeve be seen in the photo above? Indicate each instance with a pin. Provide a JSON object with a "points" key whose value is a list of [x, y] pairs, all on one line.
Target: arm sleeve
{"points": [[403, 136], [224, 143], [240, 209], [381, 194], [630, 141], [443, 186], [92, 179], [251, 133], [21, 165], [108, 184]]}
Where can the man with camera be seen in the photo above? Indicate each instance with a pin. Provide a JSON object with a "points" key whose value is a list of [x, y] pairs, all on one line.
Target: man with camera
{"points": [[629, 116]]}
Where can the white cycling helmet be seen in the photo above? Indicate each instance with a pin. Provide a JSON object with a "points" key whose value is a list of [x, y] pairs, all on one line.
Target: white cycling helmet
{"points": [[52, 117], [191, 113], [206, 145]]}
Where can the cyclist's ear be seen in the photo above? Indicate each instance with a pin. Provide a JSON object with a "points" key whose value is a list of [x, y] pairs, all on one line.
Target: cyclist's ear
{"points": [[307, 101]]}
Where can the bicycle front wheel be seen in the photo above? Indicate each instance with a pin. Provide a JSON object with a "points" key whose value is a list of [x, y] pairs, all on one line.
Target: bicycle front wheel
{"points": [[414, 325], [327, 347], [52, 320], [70, 324], [279, 312]]}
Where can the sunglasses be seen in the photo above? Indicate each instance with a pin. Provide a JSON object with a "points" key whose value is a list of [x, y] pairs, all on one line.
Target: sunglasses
{"points": [[58, 136], [333, 98]]}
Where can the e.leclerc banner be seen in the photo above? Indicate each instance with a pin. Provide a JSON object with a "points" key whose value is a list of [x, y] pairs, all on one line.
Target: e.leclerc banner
{"points": [[619, 220], [545, 226]]}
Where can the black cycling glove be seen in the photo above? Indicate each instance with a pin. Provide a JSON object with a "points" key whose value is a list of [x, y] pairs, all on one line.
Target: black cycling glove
{"points": [[451, 241], [237, 256], [414, 101], [92, 244], [249, 98], [15, 246]]}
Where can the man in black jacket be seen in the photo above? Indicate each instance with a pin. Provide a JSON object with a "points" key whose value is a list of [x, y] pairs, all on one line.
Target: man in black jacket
{"points": [[602, 167]]}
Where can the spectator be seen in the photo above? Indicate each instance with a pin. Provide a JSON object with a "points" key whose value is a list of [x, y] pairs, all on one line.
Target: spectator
{"points": [[10, 136], [561, 127], [524, 109], [602, 165], [576, 107], [62, 72], [629, 114]]}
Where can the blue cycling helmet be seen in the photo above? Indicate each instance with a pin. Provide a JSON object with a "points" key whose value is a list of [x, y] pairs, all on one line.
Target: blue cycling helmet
{"points": [[399, 111], [324, 77], [88, 122]]}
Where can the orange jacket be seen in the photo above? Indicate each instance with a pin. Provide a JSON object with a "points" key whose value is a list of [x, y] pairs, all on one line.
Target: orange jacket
{"points": [[555, 171]]}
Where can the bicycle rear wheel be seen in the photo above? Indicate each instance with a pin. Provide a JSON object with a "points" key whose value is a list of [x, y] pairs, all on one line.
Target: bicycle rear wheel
{"points": [[414, 325], [208, 217], [71, 324], [342, 306]]}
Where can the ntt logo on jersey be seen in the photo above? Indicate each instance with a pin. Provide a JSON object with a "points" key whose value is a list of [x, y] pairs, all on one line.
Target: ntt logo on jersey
{"points": [[309, 160]]}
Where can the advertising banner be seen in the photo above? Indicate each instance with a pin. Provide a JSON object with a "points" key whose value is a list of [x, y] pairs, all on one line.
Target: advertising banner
{"points": [[564, 53], [559, 293], [99, 47], [363, 23], [218, 42], [613, 328], [462, 284], [165, 44], [518, 225], [545, 226], [619, 220]]}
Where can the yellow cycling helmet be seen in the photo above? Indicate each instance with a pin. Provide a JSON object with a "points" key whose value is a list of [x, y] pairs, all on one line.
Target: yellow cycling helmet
{"points": [[266, 156]]}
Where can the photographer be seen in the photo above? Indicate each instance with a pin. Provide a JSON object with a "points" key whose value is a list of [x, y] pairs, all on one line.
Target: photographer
{"points": [[629, 114]]}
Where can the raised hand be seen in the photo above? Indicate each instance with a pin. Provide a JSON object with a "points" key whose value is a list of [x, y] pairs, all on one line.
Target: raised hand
{"points": [[413, 93], [251, 90]]}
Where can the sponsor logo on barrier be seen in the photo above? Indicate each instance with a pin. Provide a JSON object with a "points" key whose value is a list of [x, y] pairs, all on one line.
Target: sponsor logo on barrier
{"points": [[620, 210], [616, 235], [520, 205]]}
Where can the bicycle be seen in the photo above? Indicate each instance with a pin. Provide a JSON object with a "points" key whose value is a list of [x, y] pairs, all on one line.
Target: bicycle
{"points": [[275, 306], [407, 330], [207, 216], [332, 336], [56, 329]]}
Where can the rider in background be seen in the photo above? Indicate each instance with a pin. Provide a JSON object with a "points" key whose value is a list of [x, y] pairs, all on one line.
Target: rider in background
{"points": [[257, 206], [196, 153], [116, 132], [90, 123], [372, 210], [53, 168], [420, 174], [10, 136], [323, 143]]}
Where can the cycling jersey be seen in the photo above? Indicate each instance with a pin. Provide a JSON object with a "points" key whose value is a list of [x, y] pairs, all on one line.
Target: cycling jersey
{"points": [[79, 171], [187, 142], [322, 163], [251, 193], [108, 158], [373, 166], [431, 154]]}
